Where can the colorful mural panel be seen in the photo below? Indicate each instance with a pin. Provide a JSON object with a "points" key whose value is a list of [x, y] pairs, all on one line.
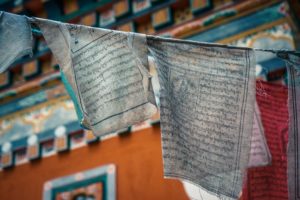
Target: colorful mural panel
{"points": [[37, 119]]}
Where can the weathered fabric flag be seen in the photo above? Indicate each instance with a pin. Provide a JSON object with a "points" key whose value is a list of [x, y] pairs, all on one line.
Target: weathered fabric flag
{"points": [[259, 156], [270, 182], [107, 70], [207, 101], [15, 39], [259, 153], [293, 68]]}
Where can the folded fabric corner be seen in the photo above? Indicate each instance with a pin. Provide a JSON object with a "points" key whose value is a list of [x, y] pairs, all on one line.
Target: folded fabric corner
{"points": [[15, 39]]}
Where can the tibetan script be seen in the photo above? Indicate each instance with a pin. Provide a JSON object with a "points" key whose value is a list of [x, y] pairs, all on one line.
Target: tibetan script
{"points": [[108, 70], [270, 182], [207, 101]]}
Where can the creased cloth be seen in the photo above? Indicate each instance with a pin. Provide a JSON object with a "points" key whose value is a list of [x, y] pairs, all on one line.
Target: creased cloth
{"points": [[259, 154], [107, 70], [15, 39], [293, 68], [196, 193], [270, 182], [207, 101], [81, 120]]}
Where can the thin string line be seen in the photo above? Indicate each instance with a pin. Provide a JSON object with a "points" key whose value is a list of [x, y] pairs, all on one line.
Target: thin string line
{"points": [[35, 30]]}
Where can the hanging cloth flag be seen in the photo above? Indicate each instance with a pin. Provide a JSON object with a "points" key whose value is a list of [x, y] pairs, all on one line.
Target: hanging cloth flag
{"points": [[259, 156], [15, 39], [107, 70], [293, 68], [259, 153], [270, 182], [207, 102]]}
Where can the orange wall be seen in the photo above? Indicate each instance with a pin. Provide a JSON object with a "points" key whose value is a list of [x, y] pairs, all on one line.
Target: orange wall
{"points": [[137, 157]]}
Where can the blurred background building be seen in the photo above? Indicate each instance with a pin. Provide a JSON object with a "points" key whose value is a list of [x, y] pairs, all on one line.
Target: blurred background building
{"points": [[45, 154]]}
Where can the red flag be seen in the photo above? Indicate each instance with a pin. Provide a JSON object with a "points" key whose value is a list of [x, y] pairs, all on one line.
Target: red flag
{"points": [[270, 182]]}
